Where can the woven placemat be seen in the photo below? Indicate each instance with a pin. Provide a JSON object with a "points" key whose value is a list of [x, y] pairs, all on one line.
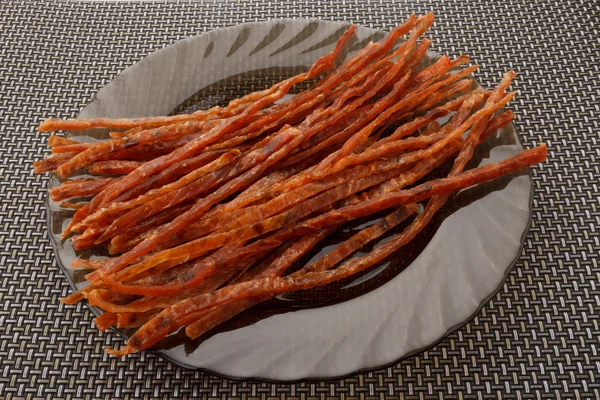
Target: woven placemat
{"points": [[539, 336]]}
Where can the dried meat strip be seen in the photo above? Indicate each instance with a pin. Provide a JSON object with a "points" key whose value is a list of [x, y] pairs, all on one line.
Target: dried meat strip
{"points": [[127, 240], [162, 183], [73, 148], [113, 167], [193, 189], [79, 188], [394, 199], [55, 140], [174, 227], [288, 135], [177, 315], [431, 129], [213, 281], [228, 211], [72, 206], [443, 95], [406, 104], [496, 123], [80, 263], [102, 149], [457, 120], [286, 200], [225, 126], [358, 240], [100, 229], [324, 167], [274, 267], [52, 162], [198, 247], [478, 129]]}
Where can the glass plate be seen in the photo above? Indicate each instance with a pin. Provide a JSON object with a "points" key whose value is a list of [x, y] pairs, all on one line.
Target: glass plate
{"points": [[399, 307]]}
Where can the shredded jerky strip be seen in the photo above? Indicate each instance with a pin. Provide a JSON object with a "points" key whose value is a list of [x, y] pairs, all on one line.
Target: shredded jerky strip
{"points": [[173, 317], [52, 162], [206, 320], [442, 95], [418, 193], [167, 196], [152, 305], [431, 129], [79, 188], [79, 263], [276, 267], [475, 133], [388, 41], [134, 253], [165, 176], [118, 135], [330, 136], [341, 100], [232, 210], [144, 151], [119, 123], [122, 242], [72, 206], [200, 246], [313, 148], [299, 105], [72, 148], [379, 228], [103, 149], [358, 240], [184, 170], [184, 220], [456, 122], [193, 169], [55, 140], [136, 176], [406, 104], [113, 167], [325, 166], [269, 154], [497, 122], [104, 197], [230, 266], [286, 200]]}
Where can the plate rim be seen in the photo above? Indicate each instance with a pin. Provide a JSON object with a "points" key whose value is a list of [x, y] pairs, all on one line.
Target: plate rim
{"points": [[310, 379]]}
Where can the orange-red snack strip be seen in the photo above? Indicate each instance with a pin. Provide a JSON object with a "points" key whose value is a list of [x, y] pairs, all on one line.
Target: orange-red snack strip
{"points": [[189, 191], [358, 240], [198, 247], [79, 188], [161, 184], [113, 167], [177, 315], [208, 319], [55, 140]]}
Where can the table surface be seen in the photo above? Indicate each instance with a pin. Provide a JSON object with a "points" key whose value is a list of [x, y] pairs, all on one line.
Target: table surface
{"points": [[538, 336]]}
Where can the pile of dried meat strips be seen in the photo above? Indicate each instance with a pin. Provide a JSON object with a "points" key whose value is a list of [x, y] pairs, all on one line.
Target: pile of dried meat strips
{"points": [[205, 213]]}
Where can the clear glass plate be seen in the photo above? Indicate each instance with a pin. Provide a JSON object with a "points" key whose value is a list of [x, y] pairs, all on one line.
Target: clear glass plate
{"points": [[399, 307]]}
